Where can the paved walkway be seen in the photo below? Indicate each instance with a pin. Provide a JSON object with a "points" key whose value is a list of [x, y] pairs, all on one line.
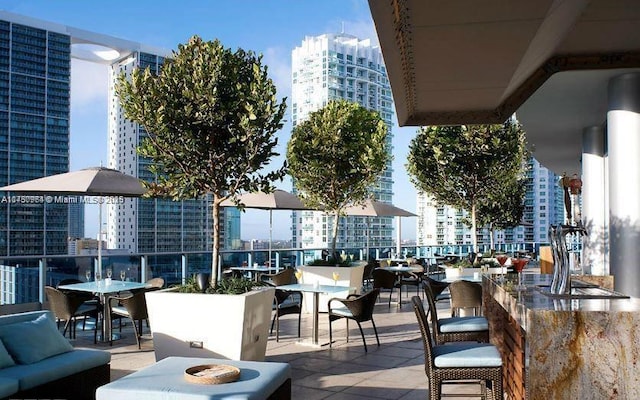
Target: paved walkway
{"points": [[395, 370]]}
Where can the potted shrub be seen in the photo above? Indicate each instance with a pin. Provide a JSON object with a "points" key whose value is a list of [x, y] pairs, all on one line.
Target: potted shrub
{"points": [[211, 117], [229, 321]]}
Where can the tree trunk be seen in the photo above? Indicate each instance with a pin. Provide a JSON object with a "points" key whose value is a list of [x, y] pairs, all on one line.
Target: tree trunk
{"points": [[215, 251], [491, 233], [474, 233], [336, 219]]}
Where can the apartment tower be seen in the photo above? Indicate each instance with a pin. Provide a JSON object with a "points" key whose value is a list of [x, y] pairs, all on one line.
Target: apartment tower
{"points": [[439, 225], [341, 66]]}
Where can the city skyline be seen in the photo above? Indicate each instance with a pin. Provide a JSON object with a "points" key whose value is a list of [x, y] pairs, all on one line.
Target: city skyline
{"points": [[274, 38]]}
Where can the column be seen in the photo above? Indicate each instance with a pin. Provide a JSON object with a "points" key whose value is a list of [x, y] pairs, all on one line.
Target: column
{"points": [[593, 201], [623, 144]]}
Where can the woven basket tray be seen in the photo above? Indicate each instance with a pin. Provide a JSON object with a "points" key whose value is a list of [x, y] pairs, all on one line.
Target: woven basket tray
{"points": [[212, 374]]}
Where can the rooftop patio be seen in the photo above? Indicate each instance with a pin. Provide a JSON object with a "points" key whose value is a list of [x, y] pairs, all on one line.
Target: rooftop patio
{"points": [[395, 370]]}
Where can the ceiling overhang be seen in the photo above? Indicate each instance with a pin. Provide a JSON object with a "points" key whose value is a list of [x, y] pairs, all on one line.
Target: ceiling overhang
{"points": [[469, 62]]}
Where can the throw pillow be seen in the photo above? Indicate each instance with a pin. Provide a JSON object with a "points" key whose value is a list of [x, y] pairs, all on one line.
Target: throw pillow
{"points": [[5, 357], [31, 341]]}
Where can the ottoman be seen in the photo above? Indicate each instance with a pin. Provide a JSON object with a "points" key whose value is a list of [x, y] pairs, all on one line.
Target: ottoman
{"points": [[165, 380]]}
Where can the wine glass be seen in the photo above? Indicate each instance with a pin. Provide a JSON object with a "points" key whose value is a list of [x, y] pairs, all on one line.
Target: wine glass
{"points": [[123, 275], [518, 265], [336, 276], [502, 259], [109, 273], [87, 274], [298, 274]]}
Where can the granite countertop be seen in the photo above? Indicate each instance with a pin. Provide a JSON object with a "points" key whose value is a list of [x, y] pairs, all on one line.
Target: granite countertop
{"points": [[521, 302]]}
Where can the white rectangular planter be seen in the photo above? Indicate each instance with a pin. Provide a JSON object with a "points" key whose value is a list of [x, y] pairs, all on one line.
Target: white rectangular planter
{"points": [[234, 327]]}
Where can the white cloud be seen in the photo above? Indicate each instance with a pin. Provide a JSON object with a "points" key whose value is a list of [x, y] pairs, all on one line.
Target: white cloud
{"points": [[89, 83], [278, 60]]}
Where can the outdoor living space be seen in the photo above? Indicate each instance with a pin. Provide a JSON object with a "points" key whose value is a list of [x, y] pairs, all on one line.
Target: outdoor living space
{"points": [[395, 370]]}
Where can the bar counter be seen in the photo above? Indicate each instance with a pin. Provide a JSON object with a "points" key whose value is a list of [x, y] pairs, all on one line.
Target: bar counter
{"points": [[563, 347]]}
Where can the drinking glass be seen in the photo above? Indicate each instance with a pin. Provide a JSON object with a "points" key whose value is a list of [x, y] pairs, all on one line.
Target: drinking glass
{"points": [[123, 275], [518, 265], [109, 273], [336, 276], [87, 274]]}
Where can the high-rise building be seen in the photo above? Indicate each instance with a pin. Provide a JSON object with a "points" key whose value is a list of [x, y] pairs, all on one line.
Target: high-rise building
{"points": [[341, 66], [155, 225], [35, 75], [439, 225], [35, 79], [76, 220]]}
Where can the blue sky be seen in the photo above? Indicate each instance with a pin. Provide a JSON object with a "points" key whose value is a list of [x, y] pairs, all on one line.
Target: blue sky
{"points": [[272, 28]]}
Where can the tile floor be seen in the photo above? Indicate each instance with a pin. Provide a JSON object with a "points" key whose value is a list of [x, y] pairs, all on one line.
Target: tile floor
{"points": [[395, 370]]}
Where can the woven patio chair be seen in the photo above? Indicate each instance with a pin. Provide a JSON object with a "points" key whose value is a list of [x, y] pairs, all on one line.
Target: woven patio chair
{"points": [[68, 307], [383, 279], [356, 307], [413, 278], [132, 306], [285, 302], [458, 361], [284, 277], [438, 288], [455, 329], [465, 295]]}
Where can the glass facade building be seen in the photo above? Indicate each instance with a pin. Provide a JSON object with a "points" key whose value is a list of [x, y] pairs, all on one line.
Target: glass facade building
{"points": [[35, 73]]}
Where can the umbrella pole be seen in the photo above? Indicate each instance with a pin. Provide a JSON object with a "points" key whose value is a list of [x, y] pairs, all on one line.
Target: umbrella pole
{"points": [[270, 235], [398, 235], [100, 238], [367, 254]]}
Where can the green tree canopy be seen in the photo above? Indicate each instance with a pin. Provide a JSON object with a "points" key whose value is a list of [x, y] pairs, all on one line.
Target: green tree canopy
{"points": [[469, 166], [336, 155], [211, 115]]}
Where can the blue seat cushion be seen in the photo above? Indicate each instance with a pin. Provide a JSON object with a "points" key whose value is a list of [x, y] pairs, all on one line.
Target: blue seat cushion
{"points": [[56, 367], [165, 380], [466, 355], [463, 324], [344, 311], [8, 386], [5, 357], [31, 341]]}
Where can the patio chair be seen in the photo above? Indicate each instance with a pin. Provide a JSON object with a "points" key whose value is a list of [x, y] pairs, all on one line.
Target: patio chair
{"points": [[367, 278], [284, 277], [383, 279], [132, 306], [438, 288], [356, 307], [455, 329], [465, 295], [155, 283], [285, 302], [413, 278], [68, 307], [458, 361]]}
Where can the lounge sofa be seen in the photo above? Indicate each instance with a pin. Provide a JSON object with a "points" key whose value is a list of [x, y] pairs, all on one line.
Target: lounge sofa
{"points": [[36, 361]]}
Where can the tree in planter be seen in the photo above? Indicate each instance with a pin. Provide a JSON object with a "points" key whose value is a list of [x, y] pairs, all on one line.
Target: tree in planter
{"points": [[336, 155], [211, 115], [504, 208], [468, 165]]}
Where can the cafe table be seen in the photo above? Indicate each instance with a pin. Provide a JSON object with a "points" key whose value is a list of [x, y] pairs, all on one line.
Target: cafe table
{"points": [[315, 290], [254, 271], [104, 289]]}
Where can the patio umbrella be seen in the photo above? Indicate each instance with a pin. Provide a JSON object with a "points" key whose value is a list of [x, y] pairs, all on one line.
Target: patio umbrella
{"points": [[93, 181], [277, 200], [373, 208]]}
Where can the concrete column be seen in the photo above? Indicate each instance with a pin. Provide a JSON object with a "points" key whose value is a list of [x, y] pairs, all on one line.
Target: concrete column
{"points": [[623, 144], [593, 205]]}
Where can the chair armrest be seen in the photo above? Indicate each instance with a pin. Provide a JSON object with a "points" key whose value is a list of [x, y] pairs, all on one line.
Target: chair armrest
{"points": [[336, 299]]}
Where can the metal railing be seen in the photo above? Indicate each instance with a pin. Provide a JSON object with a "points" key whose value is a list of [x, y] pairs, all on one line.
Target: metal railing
{"points": [[23, 278]]}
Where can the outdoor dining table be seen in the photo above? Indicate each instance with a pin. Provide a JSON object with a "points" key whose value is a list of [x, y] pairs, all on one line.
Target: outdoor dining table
{"points": [[104, 289], [254, 271], [316, 290]]}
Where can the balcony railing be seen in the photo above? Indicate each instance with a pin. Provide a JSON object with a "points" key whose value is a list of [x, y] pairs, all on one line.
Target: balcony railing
{"points": [[22, 278]]}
